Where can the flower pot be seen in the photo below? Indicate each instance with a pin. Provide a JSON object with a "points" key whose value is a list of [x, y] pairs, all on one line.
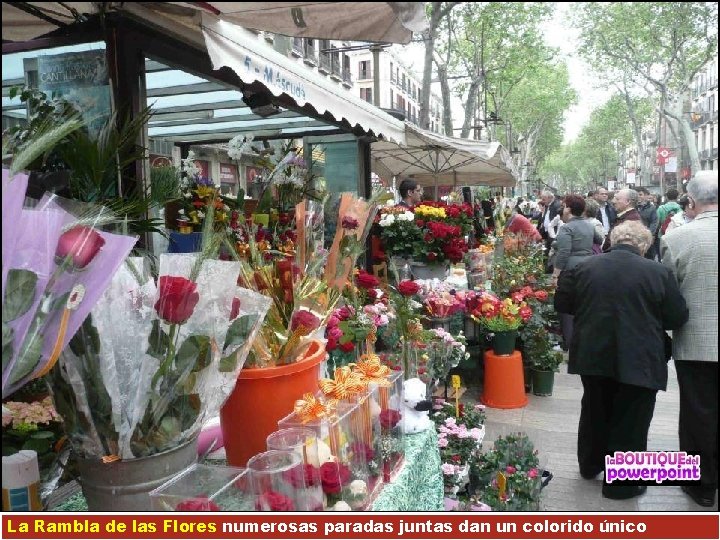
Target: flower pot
{"points": [[542, 382], [403, 267], [527, 377], [503, 343], [429, 271], [125, 486], [503, 386], [261, 397]]}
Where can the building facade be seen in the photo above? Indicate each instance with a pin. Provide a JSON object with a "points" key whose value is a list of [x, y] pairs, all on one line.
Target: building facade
{"points": [[704, 115], [400, 87]]}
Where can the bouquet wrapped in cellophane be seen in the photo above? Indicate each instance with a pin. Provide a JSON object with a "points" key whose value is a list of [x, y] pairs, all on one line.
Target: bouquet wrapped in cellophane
{"points": [[306, 287], [146, 383], [56, 265]]}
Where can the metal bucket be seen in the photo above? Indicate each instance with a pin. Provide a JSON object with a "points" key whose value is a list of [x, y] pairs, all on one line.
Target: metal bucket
{"points": [[124, 486]]}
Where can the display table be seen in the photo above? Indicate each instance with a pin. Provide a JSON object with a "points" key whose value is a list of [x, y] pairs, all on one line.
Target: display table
{"points": [[419, 484], [417, 487]]}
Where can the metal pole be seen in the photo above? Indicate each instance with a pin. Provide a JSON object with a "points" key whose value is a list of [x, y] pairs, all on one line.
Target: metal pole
{"points": [[375, 49]]}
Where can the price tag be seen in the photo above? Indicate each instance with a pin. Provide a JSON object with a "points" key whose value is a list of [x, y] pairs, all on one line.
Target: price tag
{"points": [[455, 381], [501, 483]]}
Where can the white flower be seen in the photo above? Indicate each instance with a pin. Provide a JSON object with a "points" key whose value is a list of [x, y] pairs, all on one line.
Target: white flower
{"points": [[358, 488], [387, 220], [407, 216], [200, 214], [341, 506]]}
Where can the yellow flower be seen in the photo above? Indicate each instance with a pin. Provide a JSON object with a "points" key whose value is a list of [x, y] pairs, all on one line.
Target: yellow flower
{"points": [[204, 192]]}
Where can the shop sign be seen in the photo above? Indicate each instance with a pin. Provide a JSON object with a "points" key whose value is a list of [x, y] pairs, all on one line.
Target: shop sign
{"points": [[275, 76], [228, 174]]}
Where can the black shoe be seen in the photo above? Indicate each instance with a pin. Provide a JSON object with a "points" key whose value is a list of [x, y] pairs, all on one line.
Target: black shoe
{"points": [[590, 475], [623, 492], [697, 495]]}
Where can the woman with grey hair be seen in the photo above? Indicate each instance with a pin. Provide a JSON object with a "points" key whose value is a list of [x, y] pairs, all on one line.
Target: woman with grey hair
{"points": [[622, 304], [592, 208]]}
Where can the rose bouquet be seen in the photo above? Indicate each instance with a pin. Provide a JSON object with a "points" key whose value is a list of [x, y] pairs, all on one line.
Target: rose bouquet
{"points": [[148, 385], [442, 304], [54, 271], [498, 315]]}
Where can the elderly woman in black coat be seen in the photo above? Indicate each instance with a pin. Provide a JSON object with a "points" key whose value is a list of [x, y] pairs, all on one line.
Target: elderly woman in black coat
{"points": [[622, 304]]}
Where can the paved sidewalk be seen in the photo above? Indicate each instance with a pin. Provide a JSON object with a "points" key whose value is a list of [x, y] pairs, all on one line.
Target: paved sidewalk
{"points": [[552, 422]]}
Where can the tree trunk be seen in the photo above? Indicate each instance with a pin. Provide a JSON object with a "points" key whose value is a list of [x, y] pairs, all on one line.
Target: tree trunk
{"points": [[470, 104], [675, 112], [429, 36], [637, 134]]}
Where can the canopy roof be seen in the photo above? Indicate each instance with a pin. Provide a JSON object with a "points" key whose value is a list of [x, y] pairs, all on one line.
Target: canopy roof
{"points": [[433, 160], [391, 22]]}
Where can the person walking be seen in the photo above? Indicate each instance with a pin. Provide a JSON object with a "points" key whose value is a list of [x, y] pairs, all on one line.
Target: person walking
{"points": [[573, 244], [547, 225], [649, 216], [606, 214], [622, 304], [591, 210], [691, 252], [625, 203], [685, 216]]}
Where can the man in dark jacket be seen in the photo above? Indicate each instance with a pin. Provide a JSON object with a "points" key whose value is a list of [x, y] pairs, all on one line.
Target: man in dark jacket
{"points": [[552, 207], [622, 304], [648, 214], [625, 202]]}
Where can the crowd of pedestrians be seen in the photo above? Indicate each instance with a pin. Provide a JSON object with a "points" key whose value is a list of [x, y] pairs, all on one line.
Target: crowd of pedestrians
{"points": [[650, 295]]}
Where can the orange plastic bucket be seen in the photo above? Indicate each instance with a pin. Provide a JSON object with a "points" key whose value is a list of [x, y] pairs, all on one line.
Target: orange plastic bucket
{"points": [[504, 386], [261, 397]]}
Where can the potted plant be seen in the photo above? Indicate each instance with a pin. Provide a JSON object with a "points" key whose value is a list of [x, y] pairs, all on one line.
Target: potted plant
{"points": [[503, 318], [543, 374]]}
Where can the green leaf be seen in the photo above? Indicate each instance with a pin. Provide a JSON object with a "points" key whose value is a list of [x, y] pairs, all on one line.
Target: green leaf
{"points": [[31, 351], [239, 331], [87, 337], [7, 344], [42, 435], [193, 354], [39, 445], [19, 293], [158, 342]]}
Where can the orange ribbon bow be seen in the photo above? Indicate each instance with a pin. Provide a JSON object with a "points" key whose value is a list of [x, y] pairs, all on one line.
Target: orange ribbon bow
{"points": [[372, 370], [310, 408], [345, 385]]}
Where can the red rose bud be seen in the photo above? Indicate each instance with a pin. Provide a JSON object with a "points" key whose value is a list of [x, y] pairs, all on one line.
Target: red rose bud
{"points": [[347, 347], [303, 318], [365, 280], [349, 223], [235, 311], [334, 476], [273, 501], [197, 504], [178, 298], [389, 418], [408, 288], [81, 243]]}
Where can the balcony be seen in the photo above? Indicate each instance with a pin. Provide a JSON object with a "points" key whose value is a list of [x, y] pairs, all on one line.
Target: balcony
{"points": [[309, 54], [347, 77], [297, 47], [335, 68], [325, 64], [714, 153], [366, 74]]}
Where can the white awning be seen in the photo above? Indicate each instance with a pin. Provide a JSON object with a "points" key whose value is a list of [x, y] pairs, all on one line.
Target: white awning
{"points": [[434, 160], [240, 50], [389, 22]]}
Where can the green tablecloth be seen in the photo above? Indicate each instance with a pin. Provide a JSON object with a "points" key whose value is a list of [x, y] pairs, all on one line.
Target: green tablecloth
{"points": [[417, 487], [419, 484]]}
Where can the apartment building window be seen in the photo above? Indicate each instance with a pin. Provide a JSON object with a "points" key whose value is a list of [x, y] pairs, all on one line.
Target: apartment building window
{"points": [[325, 62], [309, 46], [403, 85], [366, 94], [400, 104], [392, 98], [364, 69], [392, 75]]}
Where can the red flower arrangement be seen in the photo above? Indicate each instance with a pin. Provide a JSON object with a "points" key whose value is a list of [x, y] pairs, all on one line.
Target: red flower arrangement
{"points": [[302, 476], [501, 315], [197, 504]]}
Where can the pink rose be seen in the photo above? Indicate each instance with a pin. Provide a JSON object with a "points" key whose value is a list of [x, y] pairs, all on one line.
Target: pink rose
{"points": [[81, 243], [510, 469], [334, 332]]}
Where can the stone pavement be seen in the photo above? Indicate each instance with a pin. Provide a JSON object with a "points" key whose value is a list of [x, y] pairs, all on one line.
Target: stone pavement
{"points": [[552, 422]]}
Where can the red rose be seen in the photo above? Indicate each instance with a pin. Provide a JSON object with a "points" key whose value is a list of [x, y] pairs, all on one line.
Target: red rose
{"points": [[525, 313], [80, 243], [517, 297], [197, 504], [420, 222], [334, 476], [345, 312], [272, 501], [347, 347], [349, 223], [408, 288], [431, 256], [389, 418], [303, 318], [302, 476], [456, 458], [361, 452], [178, 298], [235, 311], [541, 295], [364, 280], [284, 218], [331, 345]]}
